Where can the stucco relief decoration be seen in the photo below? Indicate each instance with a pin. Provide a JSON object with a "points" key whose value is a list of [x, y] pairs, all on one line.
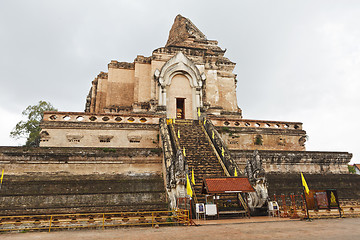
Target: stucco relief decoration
{"points": [[302, 140], [179, 64], [105, 138], [134, 137], [281, 141], [44, 136], [74, 137]]}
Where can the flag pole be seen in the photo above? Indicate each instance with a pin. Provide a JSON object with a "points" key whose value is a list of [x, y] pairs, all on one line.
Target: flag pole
{"points": [[190, 210], [306, 191], [1, 178], [306, 205]]}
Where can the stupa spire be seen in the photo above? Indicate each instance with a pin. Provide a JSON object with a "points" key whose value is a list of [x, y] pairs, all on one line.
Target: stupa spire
{"points": [[183, 29]]}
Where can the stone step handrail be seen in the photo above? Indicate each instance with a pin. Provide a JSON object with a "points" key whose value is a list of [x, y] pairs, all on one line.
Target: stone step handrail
{"points": [[180, 158], [169, 155], [175, 163], [220, 147]]}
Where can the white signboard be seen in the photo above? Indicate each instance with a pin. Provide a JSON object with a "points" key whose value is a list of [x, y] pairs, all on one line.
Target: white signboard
{"points": [[211, 209], [200, 208]]}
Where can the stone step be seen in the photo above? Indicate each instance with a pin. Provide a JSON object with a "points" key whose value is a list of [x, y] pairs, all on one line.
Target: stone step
{"points": [[200, 155]]}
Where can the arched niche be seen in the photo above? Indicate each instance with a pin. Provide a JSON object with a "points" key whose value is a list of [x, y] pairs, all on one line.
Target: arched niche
{"points": [[179, 68]]}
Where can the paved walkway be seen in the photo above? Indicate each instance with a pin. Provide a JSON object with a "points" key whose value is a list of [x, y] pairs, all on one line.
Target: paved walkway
{"points": [[253, 228], [261, 219]]}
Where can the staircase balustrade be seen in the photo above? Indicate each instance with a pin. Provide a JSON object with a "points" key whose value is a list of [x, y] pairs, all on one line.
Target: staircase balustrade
{"points": [[175, 162], [224, 155], [169, 156], [220, 147]]}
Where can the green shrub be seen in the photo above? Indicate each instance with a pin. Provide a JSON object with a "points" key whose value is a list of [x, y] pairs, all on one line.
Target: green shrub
{"points": [[351, 168]]}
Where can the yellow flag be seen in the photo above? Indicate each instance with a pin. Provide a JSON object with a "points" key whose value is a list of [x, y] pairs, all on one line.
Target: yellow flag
{"points": [[192, 176], [222, 151], [173, 121], [184, 152], [178, 133], [332, 199], [213, 135], [199, 112], [235, 173], [305, 184], [188, 186], [2, 176], [204, 121]]}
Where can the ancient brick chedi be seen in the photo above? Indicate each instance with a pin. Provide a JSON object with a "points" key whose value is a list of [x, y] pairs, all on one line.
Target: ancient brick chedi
{"points": [[190, 75], [151, 121], [190, 72]]}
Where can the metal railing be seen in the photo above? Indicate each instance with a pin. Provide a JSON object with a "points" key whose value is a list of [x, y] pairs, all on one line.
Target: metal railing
{"points": [[292, 205], [93, 220]]}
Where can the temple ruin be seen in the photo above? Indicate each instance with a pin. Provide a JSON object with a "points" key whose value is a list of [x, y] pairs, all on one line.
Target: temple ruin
{"points": [[149, 123]]}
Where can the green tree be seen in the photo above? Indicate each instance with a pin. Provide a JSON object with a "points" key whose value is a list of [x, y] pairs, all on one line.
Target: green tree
{"points": [[351, 169], [30, 129]]}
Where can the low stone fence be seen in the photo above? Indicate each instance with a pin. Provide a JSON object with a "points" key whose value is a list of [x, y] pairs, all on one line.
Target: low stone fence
{"points": [[108, 117], [249, 123]]}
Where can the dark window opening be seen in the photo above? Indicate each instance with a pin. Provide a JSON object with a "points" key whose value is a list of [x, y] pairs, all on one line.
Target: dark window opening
{"points": [[180, 108]]}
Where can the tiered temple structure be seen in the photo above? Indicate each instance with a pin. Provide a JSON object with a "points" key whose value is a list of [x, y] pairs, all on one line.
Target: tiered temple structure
{"points": [[188, 75], [148, 124]]}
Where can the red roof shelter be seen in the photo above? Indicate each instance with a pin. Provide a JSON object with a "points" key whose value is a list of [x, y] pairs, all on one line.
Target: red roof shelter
{"points": [[226, 185]]}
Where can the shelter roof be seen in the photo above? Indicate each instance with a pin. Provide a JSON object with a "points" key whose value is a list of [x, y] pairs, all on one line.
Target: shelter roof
{"points": [[226, 185]]}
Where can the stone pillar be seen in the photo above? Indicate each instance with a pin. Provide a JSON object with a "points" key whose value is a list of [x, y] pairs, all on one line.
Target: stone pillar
{"points": [[198, 97], [163, 96], [160, 96]]}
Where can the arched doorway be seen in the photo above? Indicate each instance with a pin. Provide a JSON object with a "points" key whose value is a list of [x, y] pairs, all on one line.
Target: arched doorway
{"points": [[179, 98], [180, 87]]}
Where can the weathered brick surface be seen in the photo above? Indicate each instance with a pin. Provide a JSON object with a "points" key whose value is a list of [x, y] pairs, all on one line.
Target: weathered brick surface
{"points": [[69, 180], [347, 185], [297, 161], [67, 194]]}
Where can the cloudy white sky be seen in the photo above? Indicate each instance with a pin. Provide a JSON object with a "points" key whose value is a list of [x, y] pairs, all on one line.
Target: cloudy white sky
{"points": [[296, 60]]}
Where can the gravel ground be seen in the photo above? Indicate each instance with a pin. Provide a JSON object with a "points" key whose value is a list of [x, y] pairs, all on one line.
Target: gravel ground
{"points": [[345, 228]]}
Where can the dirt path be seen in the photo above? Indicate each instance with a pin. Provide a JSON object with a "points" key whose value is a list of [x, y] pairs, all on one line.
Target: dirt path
{"points": [[347, 228]]}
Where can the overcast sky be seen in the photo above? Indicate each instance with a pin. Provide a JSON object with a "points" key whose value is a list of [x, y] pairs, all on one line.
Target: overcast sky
{"points": [[296, 60]]}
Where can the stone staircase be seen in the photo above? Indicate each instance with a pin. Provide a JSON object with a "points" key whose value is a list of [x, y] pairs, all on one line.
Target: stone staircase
{"points": [[200, 155]]}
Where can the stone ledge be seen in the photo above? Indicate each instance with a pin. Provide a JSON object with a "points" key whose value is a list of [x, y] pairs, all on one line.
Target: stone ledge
{"points": [[80, 152]]}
